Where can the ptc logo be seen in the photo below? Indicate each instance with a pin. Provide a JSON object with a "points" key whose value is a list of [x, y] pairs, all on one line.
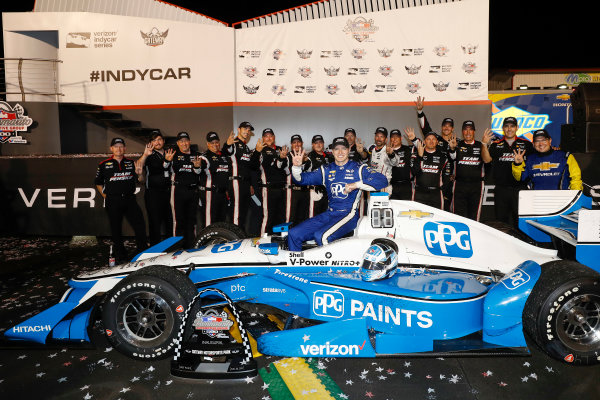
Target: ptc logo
{"points": [[448, 239], [328, 304]]}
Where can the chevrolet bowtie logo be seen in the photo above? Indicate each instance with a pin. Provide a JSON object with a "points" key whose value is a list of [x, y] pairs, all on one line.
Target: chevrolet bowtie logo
{"points": [[415, 214], [545, 166]]}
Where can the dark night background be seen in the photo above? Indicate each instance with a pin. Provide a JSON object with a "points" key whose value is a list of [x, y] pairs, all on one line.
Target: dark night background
{"points": [[523, 34]]}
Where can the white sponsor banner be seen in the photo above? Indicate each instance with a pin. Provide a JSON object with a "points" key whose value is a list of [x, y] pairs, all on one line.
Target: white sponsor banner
{"points": [[121, 60], [438, 51]]}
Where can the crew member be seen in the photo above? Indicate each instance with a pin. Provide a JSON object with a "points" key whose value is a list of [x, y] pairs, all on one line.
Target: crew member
{"points": [[185, 166], [272, 180], [377, 154], [237, 149], [344, 195], [116, 179], [431, 168], [401, 157], [214, 180], [318, 157], [446, 142], [506, 191], [298, 196], [471, 155], [357, 149], [546, 168], [157, 196]]}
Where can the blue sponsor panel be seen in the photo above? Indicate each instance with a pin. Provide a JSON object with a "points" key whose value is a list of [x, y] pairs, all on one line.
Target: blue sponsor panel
{"points": [[226, 247], [504, 303], [533, 111], [37, 328], [588, 254], [448, 239]]}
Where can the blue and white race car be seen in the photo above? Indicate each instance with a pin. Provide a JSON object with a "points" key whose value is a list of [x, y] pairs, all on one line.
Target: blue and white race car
{"points": [[455, 286]]}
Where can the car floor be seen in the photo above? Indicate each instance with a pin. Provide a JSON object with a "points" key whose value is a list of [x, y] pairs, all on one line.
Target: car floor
{"points": [[33, 276]]}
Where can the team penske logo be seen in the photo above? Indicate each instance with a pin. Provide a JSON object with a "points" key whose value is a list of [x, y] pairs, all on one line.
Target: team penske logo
{"points": [[304, 54], [359, 88], [412, 69], [251, 89], [469, 48], [441, 86], [385, 53], [332, 71], [154, 37], [545, 166]]}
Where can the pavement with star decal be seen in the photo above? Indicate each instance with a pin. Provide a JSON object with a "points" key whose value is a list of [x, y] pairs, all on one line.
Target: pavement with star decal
{"points": [[34, 274]]}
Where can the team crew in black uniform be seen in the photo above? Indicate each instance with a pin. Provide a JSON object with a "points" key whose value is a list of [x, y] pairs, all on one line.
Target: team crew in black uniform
{"points": [[221, 180]]}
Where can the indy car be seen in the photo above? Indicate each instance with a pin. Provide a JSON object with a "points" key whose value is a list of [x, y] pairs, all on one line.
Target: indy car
{"points": [[410, 280]]}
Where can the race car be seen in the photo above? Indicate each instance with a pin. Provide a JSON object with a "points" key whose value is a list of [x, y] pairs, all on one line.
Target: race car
{"points": [[456, 287]]}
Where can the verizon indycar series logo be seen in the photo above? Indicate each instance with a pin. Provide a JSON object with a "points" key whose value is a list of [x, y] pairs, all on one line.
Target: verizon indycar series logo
{"points": [[385, 53], [251, 89], [211, 323], [448, 239], [360, 28], [12, 121], [154, 37]]}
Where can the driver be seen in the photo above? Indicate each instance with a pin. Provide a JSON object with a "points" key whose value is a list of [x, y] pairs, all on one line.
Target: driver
{"points": [[344, 181], [380, 261]]}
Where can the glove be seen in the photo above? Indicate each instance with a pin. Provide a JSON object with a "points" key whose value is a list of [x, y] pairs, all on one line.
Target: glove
{"points": [[315, 196]]}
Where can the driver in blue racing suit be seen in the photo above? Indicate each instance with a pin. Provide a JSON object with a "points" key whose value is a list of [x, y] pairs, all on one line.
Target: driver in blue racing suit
{"points": [[344, 181]]}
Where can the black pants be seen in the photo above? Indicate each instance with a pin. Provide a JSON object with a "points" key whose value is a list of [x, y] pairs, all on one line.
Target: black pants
{"points": [[117, 208], [506, 204], [158, 209], [447, 192], [298, 205], [273, 207], [241, 201], [215, 205], [185, 208], [430, 197], [467, 199], [402, 191]]}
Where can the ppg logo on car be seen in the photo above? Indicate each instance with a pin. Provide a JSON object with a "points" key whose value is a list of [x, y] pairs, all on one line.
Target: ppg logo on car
{"points": [[328, 304], [515, 279], [448, 239]]}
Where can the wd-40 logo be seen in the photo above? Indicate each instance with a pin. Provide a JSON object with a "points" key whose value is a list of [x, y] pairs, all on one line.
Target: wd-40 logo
{"points": [[449, 239], [528, 122], [517, 278], [328, 304]]}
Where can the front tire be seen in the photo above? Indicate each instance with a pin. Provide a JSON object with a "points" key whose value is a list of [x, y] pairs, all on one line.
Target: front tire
{"points": [[219, 232], [562, 313], [142, 315]]}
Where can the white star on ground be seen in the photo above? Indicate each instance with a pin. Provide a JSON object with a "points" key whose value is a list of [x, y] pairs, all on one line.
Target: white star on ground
{"points": [[22, 357], [430, 390], [442, 377], [305, 338], [454, 379], [378, 369], [63, 379], [549, 369], [342, 395], [87, 396], [40, 374], [108, 349], [349, 382], [407, 364], [526, 364], [293, 372], [524, 379], [134, 379], [265, 386], [249, 380], [382, 377], [167, 383], [407, 374], [364, 372], [534, 376], [266, 398], [86, 387], [125, 390], [53, 355]]}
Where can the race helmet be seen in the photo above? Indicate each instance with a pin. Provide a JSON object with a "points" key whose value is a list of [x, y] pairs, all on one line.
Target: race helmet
{"points": [[379, 262]]}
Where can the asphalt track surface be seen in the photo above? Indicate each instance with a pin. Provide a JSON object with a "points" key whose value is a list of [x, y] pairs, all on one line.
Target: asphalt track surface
{"points": [[34, 274]]}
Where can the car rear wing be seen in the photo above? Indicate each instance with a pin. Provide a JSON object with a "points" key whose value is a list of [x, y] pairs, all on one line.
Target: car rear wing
{"points": [[565, 218]]}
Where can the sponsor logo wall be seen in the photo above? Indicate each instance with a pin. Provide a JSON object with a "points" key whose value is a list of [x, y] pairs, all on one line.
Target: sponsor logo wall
{"points": [[374, 57]]}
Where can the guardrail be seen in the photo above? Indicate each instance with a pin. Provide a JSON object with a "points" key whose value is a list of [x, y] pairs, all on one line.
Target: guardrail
{"points": [[33, 77]]}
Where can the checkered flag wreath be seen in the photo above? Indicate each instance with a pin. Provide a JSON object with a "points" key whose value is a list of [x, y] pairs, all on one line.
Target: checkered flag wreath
{"points": [[244, 335]]}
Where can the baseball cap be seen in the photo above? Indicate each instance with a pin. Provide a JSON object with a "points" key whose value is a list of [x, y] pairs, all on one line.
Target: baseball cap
{"points": [[540, 133], [268, 130], [317, 138], [155, 133], [468, 123], [246, 124], [210, 136], [183, 135], [350, 130], [448, 121], [510, 120], [340, 141], [117, 140], [430, 133], [296, 137], [381, 129], [395, 132]]}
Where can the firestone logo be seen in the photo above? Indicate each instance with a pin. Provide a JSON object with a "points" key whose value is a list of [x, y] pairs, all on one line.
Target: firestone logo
{"points": [[13, 120], [154, 37], [360, 28]]}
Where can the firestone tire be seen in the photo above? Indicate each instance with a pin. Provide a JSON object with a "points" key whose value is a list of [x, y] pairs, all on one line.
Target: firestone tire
{"points": [[562, 313], [219, 232], [143, 313]]}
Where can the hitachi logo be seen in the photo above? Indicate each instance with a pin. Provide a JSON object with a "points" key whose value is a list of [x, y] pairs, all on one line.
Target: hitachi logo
{"points": [[27, 329]]}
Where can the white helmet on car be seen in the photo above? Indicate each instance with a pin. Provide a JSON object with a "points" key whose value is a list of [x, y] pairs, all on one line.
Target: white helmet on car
{"points": [[380, 261]]}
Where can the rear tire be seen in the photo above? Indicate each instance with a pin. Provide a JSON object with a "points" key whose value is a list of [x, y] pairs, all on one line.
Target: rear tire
{"points": [[562, 313], [142, 314], [219, 232]]}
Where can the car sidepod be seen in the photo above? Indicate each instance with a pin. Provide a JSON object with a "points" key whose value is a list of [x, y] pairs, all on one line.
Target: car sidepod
{"points": [[504, 304]]}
